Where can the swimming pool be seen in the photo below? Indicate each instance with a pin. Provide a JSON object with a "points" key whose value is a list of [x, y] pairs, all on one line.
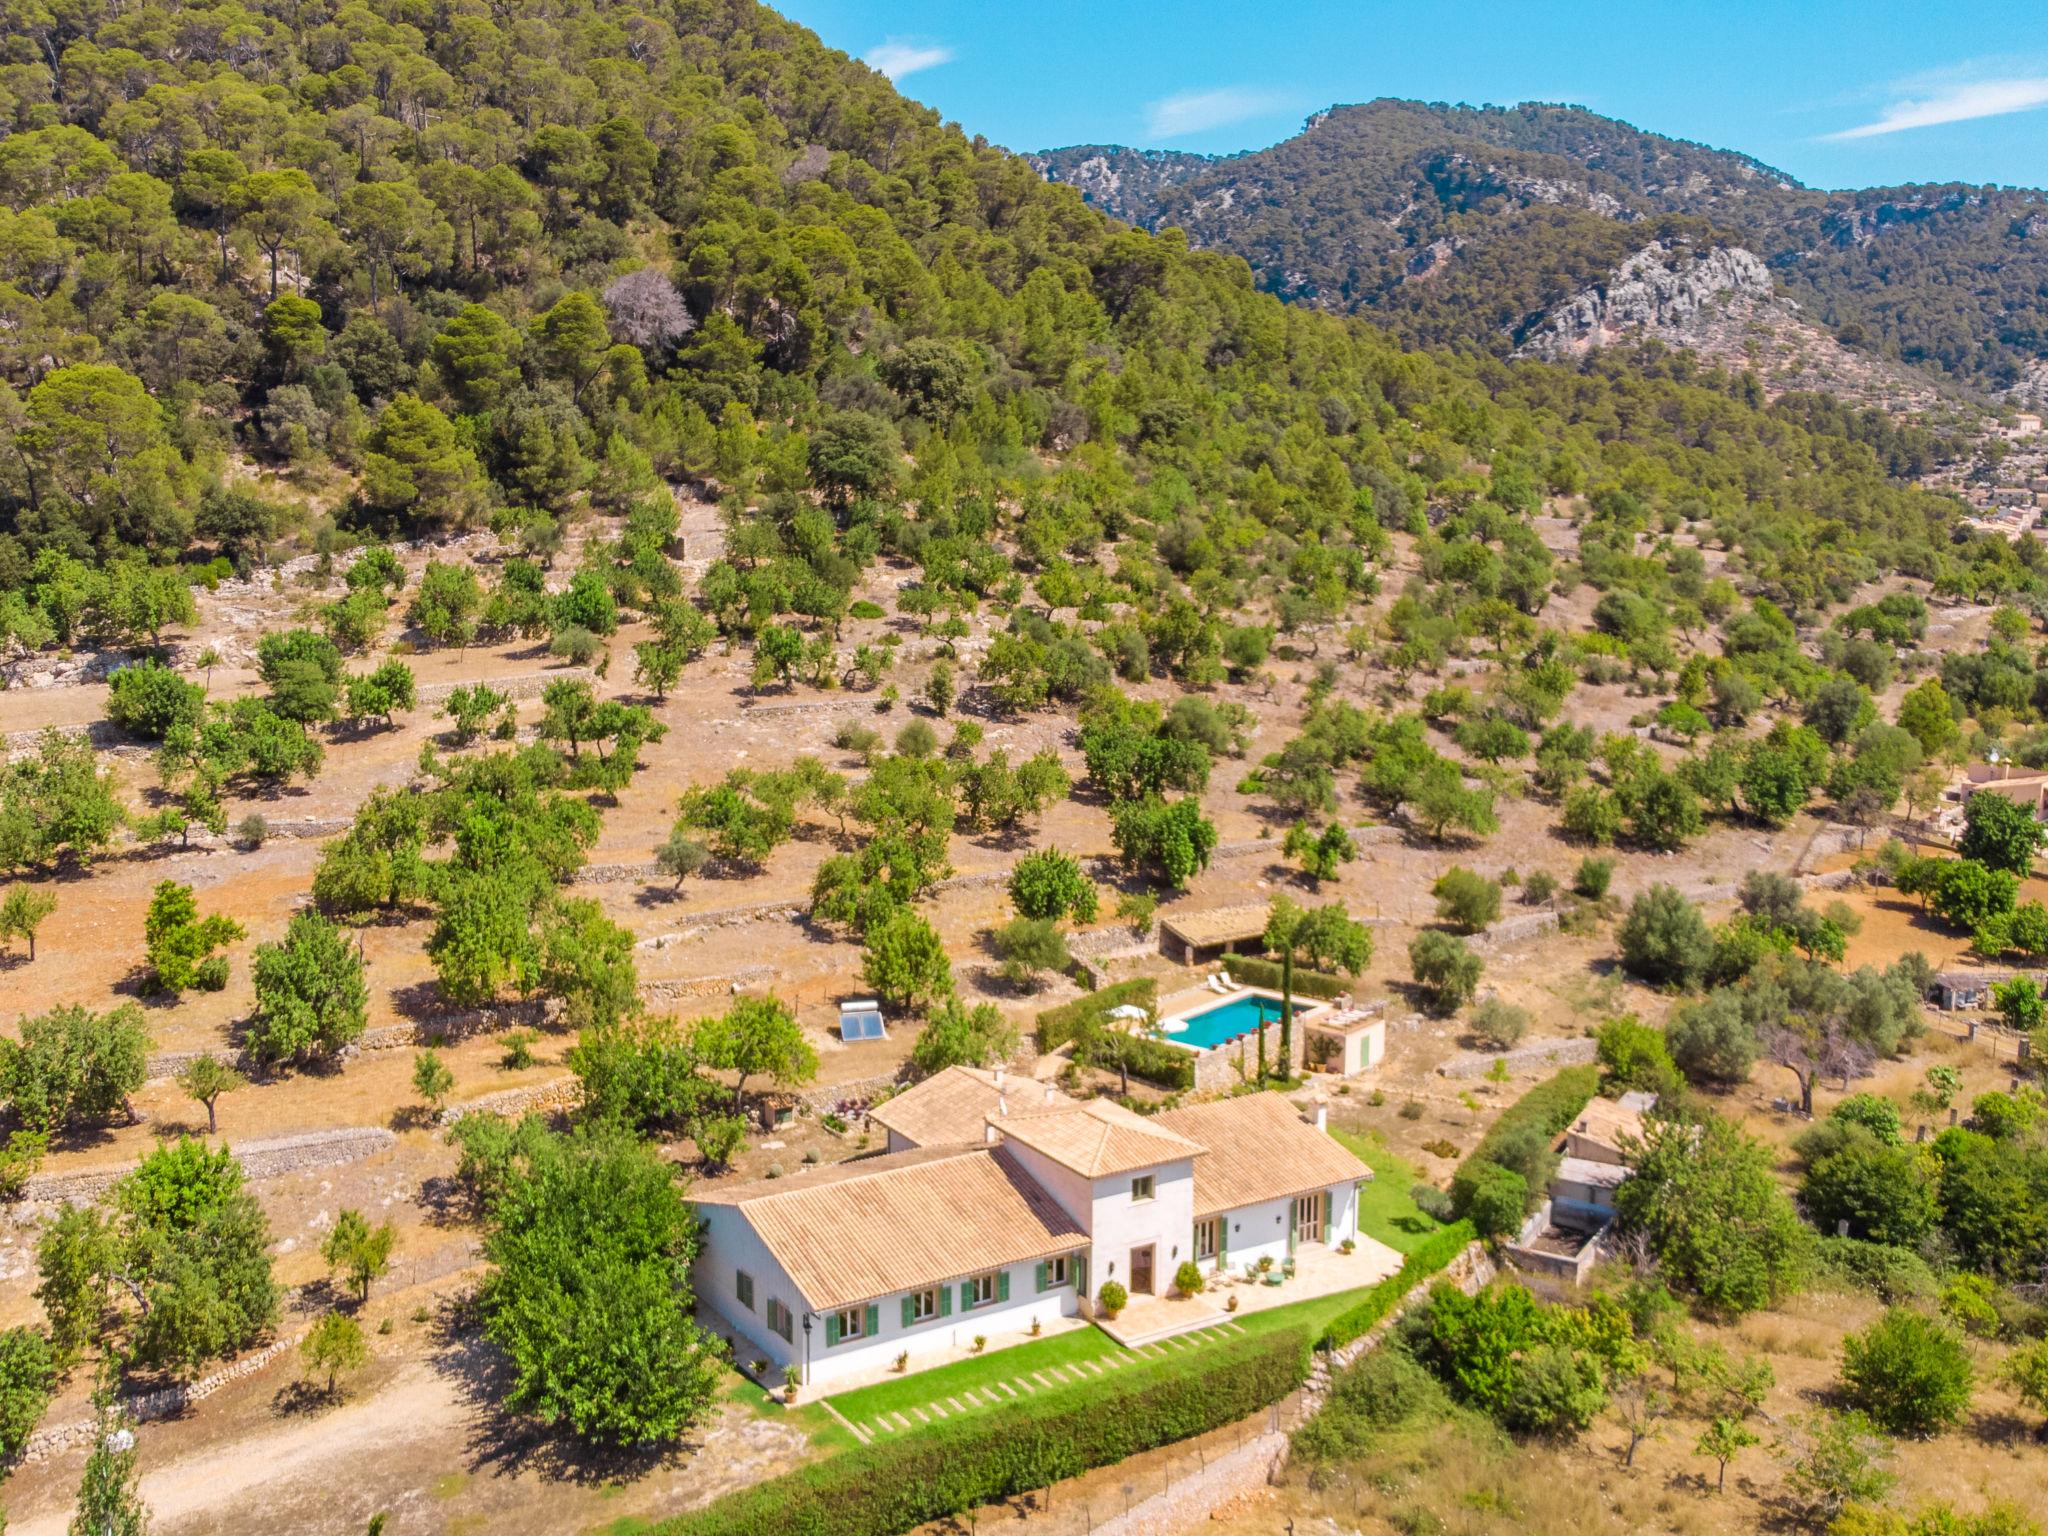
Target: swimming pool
{"points": [[1230, 1019]]}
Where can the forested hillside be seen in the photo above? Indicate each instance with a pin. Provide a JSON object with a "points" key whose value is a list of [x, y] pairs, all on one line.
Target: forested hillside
{"points": [[1462, 226], [478, 264]]}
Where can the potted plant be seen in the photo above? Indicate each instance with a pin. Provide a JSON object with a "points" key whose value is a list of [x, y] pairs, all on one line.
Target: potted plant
{"points": [[1265, 1263], [792, 1378], [1037, 1327], [1230, 1303], [1113, 1298], [980, 1342], [1188, 1278], [1347, 1246], [902, 1361]]}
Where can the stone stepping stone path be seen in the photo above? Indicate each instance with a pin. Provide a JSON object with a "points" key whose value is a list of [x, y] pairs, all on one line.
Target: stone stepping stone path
{"points": [[1049, 1378]]}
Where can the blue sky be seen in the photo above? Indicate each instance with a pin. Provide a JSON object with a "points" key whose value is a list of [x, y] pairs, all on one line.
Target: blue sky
{"points": [[1839, 94]]}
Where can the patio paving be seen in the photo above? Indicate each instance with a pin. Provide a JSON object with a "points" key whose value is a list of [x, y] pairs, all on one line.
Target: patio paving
{"points": [[1319, 1271]]}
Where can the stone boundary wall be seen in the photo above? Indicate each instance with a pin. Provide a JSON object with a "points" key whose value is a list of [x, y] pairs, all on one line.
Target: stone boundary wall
{"points": [[819, 1101], [167, 1402], [259, 1159], [163, 1403], [1559, 1053], [535, 1098], [1511, 930]]}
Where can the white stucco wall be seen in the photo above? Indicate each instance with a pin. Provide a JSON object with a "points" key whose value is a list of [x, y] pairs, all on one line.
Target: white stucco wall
{"points": [[730, 1245], [1261, 1231], [941, 1336], [1166, 1221]]}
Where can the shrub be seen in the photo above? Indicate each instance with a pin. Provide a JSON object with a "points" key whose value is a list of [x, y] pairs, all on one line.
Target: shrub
{"points": [[1432, 1202], [1911, 1374], [1499, 1024], [1113, 1297], [1592, 877], [1491, 1197], [1664, 940], [1539, 887], [1632, 1055], [1156, 1061], [1540, 1115], [1251, 971], [1892, 1274], [28, 1377], [1050, 884], [1056, 1026], [1445, 970], [1028, 948], [1188, 1278], [1466, 900]]}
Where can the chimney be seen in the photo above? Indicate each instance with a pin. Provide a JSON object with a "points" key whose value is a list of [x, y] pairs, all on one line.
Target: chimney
{"points": [[999, 1079], [988, 1133], [1002, 1104], [1049, 1092], [1322, 1117]]}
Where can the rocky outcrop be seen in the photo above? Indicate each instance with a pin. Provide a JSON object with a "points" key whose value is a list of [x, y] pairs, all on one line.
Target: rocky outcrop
{"points": [[1659, 291]]}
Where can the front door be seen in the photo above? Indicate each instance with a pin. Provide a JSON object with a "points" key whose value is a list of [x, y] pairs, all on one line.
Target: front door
{"points": [[1308, 1217], [1141, 1270]]}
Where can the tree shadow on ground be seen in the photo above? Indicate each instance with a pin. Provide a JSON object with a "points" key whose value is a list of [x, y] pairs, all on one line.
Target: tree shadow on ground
{"points": [[504, 1443]]}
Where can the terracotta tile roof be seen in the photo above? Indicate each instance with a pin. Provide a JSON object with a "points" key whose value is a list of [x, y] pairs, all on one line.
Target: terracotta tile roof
{"points": [[881, 1225], [1604, 1122], [1218, 925], [1098, 1138], [953, 1106], [1259, 1149]]}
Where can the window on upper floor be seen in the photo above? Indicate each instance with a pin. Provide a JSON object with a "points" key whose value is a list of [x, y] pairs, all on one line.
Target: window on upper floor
{"points": [[1141, 1187]]}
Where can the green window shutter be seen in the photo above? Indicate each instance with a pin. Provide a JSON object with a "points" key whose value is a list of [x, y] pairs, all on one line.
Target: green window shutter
{"points": [[1002, 1285], [874, 1320], [908, 1317], [1222, 1242], [945, 1301], [831, 1329], [966, 1295], [1041, 1276]]}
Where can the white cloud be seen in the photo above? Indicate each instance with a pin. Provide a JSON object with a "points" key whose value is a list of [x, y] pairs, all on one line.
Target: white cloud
{"points": [[1956, 104], [1187, 112], [899, 56]]}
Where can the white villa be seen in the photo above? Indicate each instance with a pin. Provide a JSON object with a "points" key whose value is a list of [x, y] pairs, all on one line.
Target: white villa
{"points": [[1001, 1204]]}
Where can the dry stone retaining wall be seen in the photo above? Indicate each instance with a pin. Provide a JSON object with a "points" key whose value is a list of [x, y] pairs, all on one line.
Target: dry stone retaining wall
{"points": [[1559, 1053], [536, 1098], [259, 1159]]}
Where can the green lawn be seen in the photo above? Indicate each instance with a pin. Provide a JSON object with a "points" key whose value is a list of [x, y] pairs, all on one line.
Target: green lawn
{"points": [[917, 1388], [1384, 1209], [1074, 1348]]}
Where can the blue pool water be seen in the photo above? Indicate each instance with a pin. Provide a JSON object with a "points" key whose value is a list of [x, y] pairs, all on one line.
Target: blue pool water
{"points": [[1228, 1020]]}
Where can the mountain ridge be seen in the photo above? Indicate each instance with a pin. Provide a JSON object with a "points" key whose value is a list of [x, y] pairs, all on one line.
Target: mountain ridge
{"points": [[1512, 212]]}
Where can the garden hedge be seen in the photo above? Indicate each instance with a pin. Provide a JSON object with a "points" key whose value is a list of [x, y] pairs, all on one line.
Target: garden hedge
{"points": [[1369, 1311], [896, 1484], [1255, 972], [1168, 1066], [1056, 1026], [1554, 1103]]}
